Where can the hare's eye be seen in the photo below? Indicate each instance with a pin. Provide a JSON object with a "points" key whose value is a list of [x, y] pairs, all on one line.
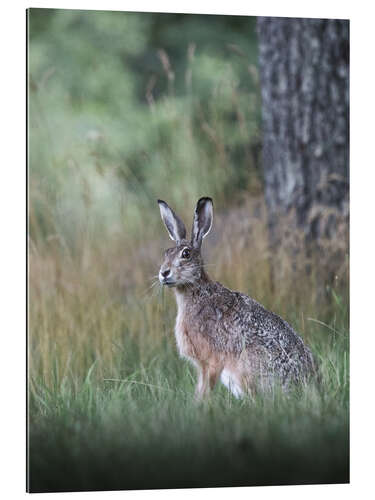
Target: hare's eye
{"points": [[185, 253]]}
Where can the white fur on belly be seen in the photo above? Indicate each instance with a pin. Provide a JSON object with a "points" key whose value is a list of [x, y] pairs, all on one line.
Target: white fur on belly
{"points": [[229, 381]]}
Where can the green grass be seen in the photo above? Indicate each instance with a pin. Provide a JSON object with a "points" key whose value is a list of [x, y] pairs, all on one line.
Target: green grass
{"points": [[111, 405], [142, 428]]}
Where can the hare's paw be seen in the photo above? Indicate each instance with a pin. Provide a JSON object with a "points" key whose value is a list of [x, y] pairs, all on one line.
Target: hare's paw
{"points": [[231, 384]]}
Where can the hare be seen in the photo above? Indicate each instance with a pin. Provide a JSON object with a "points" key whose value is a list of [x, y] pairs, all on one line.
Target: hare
{"points": [[224, 333]]}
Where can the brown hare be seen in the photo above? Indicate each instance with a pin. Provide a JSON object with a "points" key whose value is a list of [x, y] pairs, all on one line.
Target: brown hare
{"points": [[223, 333]]}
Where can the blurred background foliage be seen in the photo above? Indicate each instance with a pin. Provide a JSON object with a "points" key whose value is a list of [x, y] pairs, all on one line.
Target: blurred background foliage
{"points": [[126, 108]]}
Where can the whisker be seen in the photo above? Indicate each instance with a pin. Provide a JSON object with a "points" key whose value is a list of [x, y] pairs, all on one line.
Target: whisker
{"points": [[149, 291], [153, 277]]}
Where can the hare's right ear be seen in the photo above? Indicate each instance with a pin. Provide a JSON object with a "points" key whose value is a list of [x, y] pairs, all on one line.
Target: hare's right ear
{"points": [[202, 221], [175, 227]]}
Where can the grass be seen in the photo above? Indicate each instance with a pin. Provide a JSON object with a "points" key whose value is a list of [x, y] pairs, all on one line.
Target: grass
{"points": [[111, 405], [144, 430]]}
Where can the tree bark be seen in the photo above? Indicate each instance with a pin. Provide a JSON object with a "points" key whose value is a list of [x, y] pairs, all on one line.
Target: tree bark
{"points": [[304, 70]]}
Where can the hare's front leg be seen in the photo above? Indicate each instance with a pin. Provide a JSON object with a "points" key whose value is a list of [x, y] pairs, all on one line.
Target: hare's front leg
{"points": [[208, 375]]}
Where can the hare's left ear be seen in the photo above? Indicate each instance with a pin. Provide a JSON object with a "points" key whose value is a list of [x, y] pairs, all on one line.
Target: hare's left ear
{"points": [[175, 226], [202, 221]]}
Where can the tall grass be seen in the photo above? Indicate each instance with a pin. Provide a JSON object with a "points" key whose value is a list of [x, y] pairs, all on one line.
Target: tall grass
{"points": [[110, 403], [135, 424]]}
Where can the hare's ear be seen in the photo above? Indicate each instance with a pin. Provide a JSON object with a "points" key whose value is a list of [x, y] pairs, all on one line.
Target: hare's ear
{"points": [[175, 227], [202, 221]]}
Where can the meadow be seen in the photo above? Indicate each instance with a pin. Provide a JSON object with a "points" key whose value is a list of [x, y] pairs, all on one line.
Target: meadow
{"points": [[110, 404]]}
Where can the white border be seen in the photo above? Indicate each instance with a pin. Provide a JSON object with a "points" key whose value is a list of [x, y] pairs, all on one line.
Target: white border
{"points": [[12, 245]]}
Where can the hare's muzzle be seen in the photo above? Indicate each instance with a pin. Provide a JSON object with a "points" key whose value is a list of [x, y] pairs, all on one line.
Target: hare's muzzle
{"points": [[165, 277]]}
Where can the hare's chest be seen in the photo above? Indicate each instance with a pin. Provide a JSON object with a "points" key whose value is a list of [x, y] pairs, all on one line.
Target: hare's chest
{"points": [[184, 332], [189, 332], [183, 341]]}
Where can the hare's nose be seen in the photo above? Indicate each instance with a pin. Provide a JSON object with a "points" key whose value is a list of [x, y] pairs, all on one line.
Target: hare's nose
{"points": [[165, 273]]}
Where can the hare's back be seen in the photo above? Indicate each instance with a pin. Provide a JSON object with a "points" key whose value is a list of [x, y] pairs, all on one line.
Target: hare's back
{"points": [[264, 335]]}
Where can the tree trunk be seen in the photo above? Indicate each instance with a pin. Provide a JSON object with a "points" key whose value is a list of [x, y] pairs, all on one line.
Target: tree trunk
{"points": [[304, 70]]}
